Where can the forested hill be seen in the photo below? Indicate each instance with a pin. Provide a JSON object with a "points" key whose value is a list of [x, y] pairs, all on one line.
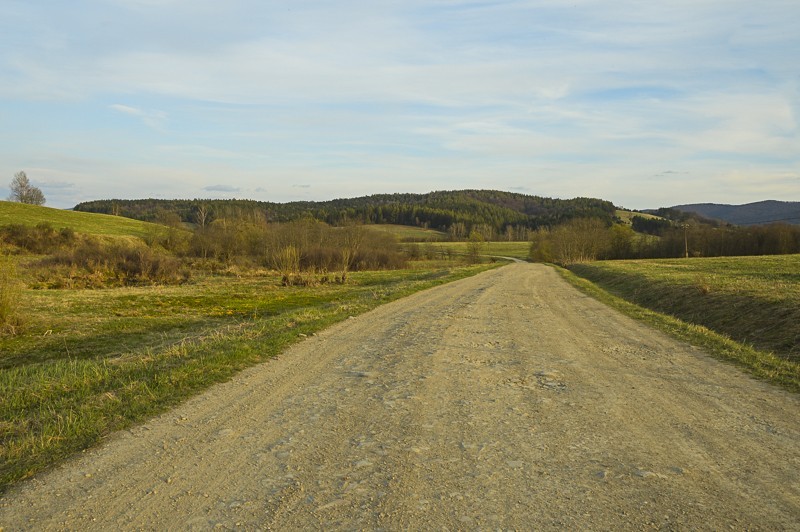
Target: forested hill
{"points": [[444, 210], [762, 212]]}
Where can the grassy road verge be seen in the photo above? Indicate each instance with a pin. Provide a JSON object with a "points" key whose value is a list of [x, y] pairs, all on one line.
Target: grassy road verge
{"points": [[743, 310], [95, 361]]}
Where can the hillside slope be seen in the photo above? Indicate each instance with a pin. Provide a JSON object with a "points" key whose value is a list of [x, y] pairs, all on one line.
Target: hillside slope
{"points": [[81, 222], [760, 212]]}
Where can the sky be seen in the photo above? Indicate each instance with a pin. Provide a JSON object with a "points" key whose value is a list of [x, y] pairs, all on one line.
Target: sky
{"points": [[645, 104]]}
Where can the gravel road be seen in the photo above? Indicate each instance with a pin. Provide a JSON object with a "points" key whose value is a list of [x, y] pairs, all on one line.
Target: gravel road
{"points": [[504, 401]]}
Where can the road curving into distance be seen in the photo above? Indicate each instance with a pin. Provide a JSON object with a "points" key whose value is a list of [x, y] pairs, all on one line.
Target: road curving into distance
{"points": [[507, 400]]}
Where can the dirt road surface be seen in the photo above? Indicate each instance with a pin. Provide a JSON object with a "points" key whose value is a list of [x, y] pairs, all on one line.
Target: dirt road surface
{"points": [[504, 401]]}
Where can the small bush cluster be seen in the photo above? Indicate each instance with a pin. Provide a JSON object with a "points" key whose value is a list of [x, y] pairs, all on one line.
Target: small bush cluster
{"points": [[93, 264], [43, 238], [85, 261]]}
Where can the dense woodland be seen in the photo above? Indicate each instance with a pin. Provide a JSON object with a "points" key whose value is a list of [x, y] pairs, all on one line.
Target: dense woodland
{"points": [[455, 212]]}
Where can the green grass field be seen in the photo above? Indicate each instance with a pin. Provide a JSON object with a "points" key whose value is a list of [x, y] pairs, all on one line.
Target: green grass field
{"points": [[405, 233], [754, 301], [81, 222], [627, 216], [436, 242], [90, 362]]}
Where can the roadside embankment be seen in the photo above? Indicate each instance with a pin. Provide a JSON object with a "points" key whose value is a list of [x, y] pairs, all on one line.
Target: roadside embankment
{"points": [[754, 301]]}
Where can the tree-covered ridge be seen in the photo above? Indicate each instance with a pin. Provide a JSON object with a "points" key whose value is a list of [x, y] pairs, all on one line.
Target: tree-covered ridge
{"points": [[460, 211]]}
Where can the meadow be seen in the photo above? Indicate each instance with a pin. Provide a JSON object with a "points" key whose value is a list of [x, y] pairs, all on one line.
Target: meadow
{"points": [[405, 233], [627, 216], [80, 222], [517, 250]]}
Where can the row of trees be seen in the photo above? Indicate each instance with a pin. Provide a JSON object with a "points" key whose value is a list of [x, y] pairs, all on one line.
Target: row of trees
{"points": [[723, 241], [303, 251], [588, 239], [293, 248]]}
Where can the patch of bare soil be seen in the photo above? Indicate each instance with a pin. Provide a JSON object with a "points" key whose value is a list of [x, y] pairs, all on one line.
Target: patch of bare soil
{"points": [[507, 400]]}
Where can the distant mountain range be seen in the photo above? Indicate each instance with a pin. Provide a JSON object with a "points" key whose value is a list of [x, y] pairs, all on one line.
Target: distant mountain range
{"points": [[761, 212]]}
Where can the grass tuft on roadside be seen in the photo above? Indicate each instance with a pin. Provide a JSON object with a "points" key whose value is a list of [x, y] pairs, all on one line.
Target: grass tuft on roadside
{"points": [[761, 364], [10, 290]]}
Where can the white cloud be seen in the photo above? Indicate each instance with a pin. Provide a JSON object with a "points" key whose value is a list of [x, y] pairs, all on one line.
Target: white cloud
{"points": [[573, 98]]}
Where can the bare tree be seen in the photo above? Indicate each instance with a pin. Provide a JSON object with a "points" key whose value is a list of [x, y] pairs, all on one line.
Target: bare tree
{"points": [[202, 215], [23, 192], [457, 231], [351, 239], [475, 247], [580, 240]]}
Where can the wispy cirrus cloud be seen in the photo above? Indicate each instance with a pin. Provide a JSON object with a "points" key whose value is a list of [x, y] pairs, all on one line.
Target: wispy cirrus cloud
{"points": [[153, 119], [221, 188]]}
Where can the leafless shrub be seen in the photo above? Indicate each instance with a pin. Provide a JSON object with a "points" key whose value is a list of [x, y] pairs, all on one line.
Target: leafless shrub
{"points": [[93, 264]]}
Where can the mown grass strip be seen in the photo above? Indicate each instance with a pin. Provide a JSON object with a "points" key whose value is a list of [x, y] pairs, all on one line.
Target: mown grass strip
{"points": [[54, 406], [761, 364]]}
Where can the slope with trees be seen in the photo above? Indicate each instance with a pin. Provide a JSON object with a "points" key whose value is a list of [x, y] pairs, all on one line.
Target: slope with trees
{"points": [[490, 212]]}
